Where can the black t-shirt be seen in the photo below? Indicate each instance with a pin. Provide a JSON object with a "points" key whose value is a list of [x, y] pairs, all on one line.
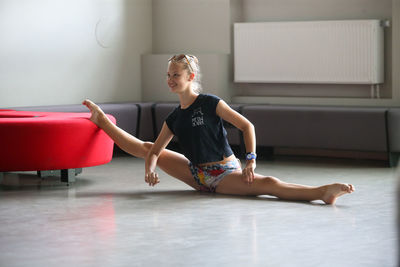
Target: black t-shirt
{"points": [[200, 131]]}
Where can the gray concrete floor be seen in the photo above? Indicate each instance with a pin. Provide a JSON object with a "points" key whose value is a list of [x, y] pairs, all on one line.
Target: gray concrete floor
{"points": [[110, 217]]}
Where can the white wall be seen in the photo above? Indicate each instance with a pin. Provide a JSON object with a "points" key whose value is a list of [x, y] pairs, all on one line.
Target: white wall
{"points": [[49, 52], [62, 51], [199, 27], [290, 10], [275, 10], [191, 26]]}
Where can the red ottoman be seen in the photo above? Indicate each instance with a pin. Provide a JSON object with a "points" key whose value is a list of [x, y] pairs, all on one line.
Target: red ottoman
{"points": [[43, 141]]}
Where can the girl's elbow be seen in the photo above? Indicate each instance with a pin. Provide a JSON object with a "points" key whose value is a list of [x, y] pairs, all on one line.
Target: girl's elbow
{"points": [[250, 127], [247, 127]]}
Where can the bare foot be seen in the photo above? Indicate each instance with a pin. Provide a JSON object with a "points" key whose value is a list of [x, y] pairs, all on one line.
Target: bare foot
{"points": [[97, 113], [333, 191]]}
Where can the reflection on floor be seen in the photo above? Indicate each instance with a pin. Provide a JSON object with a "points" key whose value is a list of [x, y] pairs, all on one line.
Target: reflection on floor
{"points": [[110, 217]]}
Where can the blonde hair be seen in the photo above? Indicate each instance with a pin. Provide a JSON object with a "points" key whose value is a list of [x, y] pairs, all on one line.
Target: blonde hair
{"points": [[191, 64]]}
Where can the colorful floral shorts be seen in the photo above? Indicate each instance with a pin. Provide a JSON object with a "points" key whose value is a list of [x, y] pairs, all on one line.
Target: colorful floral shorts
{"points": [[208, 177]]}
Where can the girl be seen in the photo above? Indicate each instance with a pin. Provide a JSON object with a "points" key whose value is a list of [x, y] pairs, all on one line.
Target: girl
{"points": [[207, 163]]}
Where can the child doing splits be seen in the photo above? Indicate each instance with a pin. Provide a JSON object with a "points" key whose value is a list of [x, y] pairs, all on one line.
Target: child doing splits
{"points": [[207, 162]]}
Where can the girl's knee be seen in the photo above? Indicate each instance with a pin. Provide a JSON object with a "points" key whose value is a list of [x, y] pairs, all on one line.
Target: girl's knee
{"points": [[269, 180], [147, 146]]}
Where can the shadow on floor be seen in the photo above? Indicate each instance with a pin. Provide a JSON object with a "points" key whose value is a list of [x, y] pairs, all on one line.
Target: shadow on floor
{"points": [[188, 195], [30, 181]]}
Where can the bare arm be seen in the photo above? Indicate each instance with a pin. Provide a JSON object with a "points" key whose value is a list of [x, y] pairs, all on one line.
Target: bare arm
{"points": [[163, 139], [247, 128]]}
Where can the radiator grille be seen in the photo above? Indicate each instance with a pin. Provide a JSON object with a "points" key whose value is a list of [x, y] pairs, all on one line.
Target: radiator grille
{"points": [[341, 52]]}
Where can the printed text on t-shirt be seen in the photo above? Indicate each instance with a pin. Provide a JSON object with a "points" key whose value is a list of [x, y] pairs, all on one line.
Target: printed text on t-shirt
{"points": [[197, 117]]}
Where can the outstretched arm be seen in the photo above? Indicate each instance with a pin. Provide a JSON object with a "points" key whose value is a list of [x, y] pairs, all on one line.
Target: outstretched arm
{"points": [[163, 139], [247, 128]]}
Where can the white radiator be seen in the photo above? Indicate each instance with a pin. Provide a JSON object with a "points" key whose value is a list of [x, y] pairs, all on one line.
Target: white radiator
{"points": [[340, 52]]}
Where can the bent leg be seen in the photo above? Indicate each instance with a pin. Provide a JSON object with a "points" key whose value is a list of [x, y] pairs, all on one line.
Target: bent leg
{"points": [[262, 185], [177, 165]]}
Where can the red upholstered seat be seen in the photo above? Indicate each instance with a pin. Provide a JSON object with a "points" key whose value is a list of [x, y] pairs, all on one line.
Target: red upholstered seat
{"points": [[35, 141]]}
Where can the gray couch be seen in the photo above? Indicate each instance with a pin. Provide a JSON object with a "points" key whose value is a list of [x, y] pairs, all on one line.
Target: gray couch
{"points": [[393, 133], [334, 128]]}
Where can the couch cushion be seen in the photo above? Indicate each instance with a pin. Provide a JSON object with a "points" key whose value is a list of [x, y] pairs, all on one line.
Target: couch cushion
{"points": [[145, 128], [344, 128], [160, 113], [233, 133], [394, 129]]}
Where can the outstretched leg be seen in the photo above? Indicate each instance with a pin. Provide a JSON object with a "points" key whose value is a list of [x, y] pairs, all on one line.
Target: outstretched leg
{"points": [[169, 161], [233, 184], [124, 140]]}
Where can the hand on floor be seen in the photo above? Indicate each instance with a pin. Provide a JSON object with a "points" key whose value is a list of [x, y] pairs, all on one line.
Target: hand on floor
{"points": [[151, 178]]}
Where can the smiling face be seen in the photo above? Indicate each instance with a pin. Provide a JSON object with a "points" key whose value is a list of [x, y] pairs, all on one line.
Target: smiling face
{"points": [[179, 79]]}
